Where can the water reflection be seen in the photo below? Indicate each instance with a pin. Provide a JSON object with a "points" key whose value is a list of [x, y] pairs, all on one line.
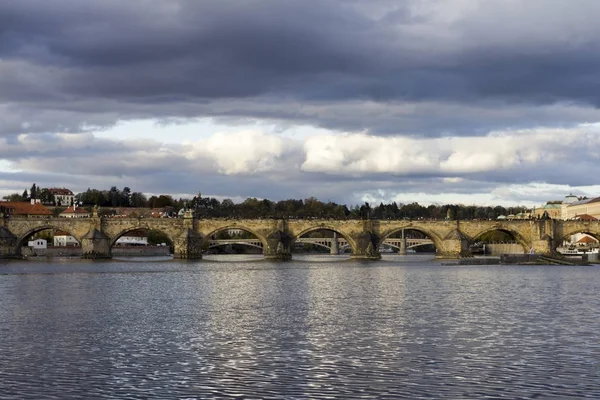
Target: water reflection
{"points": [[304, 329]]}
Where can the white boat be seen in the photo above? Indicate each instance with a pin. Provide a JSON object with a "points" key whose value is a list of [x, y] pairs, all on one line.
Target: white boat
{"points": [[574, 251]]}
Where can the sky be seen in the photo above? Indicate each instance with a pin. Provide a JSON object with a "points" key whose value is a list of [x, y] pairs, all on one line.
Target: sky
{"points": [[435, 101]]}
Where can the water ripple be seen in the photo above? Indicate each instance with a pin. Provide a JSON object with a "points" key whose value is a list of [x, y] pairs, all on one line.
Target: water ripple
{"points": [[297, 330]]}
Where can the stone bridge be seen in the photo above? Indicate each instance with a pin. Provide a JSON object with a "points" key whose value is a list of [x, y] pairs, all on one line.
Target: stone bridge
{"points": [[191, 235]]}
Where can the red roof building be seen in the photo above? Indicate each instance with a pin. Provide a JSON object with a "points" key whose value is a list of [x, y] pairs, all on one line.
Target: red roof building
{"points": [[587, 240], [24, 209], [585, 217], [75, 212]]}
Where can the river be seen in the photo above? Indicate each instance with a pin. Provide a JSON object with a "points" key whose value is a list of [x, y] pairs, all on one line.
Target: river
{"points": [[316, 327]]}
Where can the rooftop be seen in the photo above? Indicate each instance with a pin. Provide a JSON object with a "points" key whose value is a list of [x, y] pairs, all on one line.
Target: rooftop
{"points": [[75, 210], [580, 202], [571, 198], [60, 191], [24, 208], [585, 217]]}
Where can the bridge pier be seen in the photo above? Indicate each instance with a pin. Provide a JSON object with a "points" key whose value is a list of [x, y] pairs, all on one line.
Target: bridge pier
{"points": [[188, 246], [8, 244], [95, 245], [543, 246], [455, 245], [367, 247], [335, 246], [403, 248], [402, 251], [278, 247]]}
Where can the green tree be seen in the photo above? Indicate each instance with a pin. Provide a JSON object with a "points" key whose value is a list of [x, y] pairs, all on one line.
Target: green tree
{"points": [[114, 196], [125, 198], [138, 200], [157, 237], [161, 201], [14, 197], [45, 196]]}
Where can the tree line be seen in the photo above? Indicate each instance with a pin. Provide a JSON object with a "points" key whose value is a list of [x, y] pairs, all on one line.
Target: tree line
{"points": [[35, 193], [292, 208]]}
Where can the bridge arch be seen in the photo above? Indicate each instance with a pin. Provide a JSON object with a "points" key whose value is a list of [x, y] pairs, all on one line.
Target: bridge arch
{"points": [[435, 238], [145, 227], [233, 241], [23, 237], [519, 238], [408, 246], [206, 239], [595, 233], [347, 237]]}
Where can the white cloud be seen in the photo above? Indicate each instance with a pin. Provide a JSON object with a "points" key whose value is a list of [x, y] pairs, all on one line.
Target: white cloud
{"points": [[339, 167], [361, 153], [499, 151], [243, 152]]}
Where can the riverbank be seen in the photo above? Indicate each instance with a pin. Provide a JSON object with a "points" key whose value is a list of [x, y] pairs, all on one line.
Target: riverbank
{"points": [[524, 259], [145, 251]]}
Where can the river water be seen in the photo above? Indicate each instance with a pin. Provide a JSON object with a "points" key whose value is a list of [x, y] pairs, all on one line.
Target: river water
{"points": [[318, 327]]}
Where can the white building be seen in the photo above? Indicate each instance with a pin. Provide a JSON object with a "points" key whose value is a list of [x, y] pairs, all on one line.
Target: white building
{"points": [[63, 239], [62, 197], [133, 238], [38, 244]]}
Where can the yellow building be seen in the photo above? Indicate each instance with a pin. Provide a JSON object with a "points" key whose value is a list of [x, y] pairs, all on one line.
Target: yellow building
{"points": [[582, 207], [572, 207], [553, 209]]}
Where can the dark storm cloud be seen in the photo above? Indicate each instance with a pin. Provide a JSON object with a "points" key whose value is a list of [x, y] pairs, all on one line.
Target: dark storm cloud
{"points": [[67, 63]]}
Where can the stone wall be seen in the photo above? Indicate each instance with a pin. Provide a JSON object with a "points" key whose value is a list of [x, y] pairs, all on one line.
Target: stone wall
{"points": [[497, 249]]}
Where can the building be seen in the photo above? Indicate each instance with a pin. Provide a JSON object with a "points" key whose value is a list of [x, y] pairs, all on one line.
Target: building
{"points": [[552, 209], [590, 207], [587, 241], [75, 212], [31, 209], [38, 244], [581, 240], [571, 207], [63, 239], [133, 238], [585, 217], [62, 197]]}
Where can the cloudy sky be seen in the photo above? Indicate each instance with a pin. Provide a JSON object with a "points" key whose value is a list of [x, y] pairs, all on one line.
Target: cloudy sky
{"points": [[444, 101]]}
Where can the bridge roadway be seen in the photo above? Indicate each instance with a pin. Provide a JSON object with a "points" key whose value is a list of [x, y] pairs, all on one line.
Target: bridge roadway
{"points": [[191, 235]]}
